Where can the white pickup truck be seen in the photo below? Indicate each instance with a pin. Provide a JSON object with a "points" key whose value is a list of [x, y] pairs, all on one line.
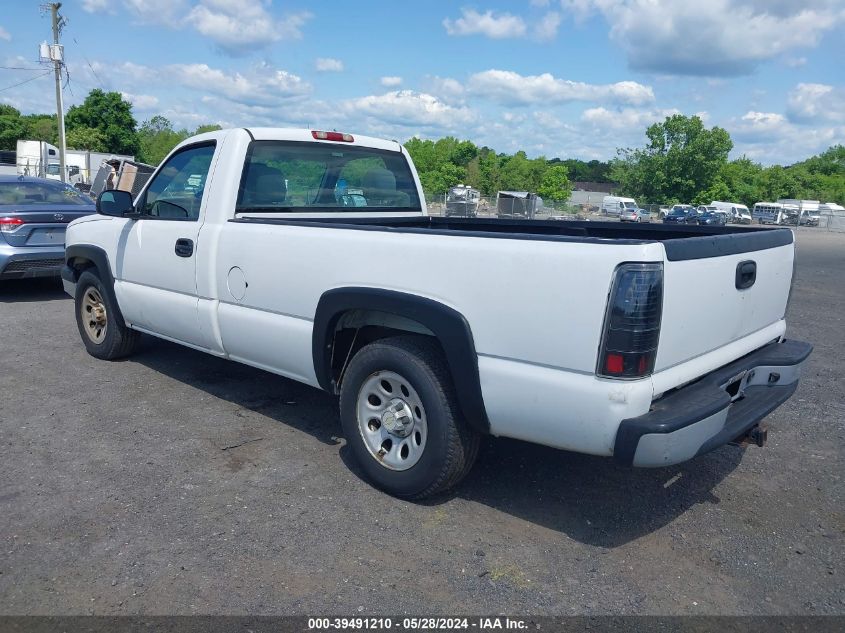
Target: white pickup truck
{"points": [[311, 255]]}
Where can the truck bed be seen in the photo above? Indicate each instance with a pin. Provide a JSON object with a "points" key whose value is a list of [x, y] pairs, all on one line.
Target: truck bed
{"points": [[680, 242]]}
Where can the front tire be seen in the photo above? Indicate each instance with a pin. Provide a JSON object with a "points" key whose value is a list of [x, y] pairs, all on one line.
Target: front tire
{"points": [[103, 333], [401, 418]]}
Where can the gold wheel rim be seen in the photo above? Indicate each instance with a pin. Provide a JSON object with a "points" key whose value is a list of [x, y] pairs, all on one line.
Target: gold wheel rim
{"points": [[94, 316]]}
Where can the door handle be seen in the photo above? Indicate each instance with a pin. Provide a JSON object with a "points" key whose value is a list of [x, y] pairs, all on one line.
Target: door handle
{"points": [[746, 274], [184, 247]]}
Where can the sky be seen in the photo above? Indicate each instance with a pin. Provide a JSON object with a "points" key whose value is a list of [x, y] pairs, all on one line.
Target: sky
{"points": [[559, 78]]}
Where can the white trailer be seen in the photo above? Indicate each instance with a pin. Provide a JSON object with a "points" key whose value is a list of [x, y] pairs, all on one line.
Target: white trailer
{"points": [[83, 165], [37, 158]]}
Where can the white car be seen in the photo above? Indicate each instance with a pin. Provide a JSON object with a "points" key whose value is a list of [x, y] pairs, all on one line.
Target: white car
{"points": [[436, 331]]}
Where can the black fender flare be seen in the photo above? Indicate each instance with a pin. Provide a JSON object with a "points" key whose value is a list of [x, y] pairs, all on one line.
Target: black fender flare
{"points": [[100, 259], [448, 325]]}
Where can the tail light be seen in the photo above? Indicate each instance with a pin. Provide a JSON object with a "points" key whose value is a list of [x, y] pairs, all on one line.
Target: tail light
{"points": [[332, 136], [632, 322], [10, 225]]}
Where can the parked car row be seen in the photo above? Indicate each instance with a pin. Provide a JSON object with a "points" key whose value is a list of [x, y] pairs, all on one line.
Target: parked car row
{"points": [[714, 214]]}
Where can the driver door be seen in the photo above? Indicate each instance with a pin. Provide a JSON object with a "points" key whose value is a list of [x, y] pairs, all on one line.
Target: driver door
{"points": [[156, 273]]}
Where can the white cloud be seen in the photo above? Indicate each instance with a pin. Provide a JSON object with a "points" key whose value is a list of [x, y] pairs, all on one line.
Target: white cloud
{"points": [[816, 102], [141, 102], [714, 38], [548, 26], [763, 121], [489, 24], [626, 118], [410, 109], [328, 65], [771, 138], [4, 34], [240, 26], [390, 82], [447, 89], [263, 85], [95, 6], [511, 88]]}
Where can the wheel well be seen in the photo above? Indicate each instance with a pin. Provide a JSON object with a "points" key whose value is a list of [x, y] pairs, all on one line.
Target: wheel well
{"points": [[349, 317], [80, 264], [357, 328]]}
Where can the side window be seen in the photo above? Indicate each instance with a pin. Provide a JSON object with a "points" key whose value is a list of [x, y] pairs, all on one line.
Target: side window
{"points": [[175, 192]]}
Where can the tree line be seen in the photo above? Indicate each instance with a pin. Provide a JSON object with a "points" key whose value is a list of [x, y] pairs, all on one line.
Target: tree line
{"points": [[102, 123], [681, 161]]}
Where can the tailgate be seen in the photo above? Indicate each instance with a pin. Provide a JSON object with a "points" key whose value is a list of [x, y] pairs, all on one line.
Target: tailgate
{"points": [[703, 308]]}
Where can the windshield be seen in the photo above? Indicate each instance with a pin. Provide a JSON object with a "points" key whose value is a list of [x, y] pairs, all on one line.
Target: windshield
{"points": [[299, 177], [678, 211], [28, 193], [630, 205]]}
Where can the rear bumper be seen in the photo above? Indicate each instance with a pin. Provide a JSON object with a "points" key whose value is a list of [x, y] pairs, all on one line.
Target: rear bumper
{"points": [[703, 415], [36, 261]]}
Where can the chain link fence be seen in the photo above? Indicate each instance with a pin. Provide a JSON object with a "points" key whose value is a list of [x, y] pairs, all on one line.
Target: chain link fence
{"points": [[834, 221]]}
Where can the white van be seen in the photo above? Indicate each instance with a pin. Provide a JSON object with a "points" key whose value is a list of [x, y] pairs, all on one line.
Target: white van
{"points": [[613, 205], [737, 213]]}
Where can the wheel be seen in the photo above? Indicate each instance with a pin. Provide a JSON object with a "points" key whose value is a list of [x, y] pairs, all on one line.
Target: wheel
{"points": [[639, 219], [401, 418], [96, 318]]}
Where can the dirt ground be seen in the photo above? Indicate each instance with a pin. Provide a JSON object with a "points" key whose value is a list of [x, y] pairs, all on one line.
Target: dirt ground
{"points": [[178, 483]]}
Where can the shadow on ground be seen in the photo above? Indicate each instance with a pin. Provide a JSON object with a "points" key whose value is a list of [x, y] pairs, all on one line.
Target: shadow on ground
{"points": [[590, 499], [31, 290]]}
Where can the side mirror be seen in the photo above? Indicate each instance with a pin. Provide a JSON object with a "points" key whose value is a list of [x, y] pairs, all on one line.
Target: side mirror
{"points": [[115, 203]]}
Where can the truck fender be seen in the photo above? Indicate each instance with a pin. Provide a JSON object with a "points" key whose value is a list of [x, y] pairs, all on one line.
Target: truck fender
{"points": [[447, 324], [77, 253]]}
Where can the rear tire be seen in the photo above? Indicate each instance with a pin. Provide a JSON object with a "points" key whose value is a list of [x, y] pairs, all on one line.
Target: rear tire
{"points": [[401, 418], [104, 335]]}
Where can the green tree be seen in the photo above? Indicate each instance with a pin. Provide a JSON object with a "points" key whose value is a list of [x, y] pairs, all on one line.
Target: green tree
{"points": [[681, 159], [516, 173], [437, 182], [156, 138], [12, 127], [111, 115], [86, 138], [212, 127], [42, 127], [555, 185]]}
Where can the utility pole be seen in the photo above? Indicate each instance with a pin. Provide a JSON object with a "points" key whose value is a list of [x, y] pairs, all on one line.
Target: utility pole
{"points": [[57, 57]]}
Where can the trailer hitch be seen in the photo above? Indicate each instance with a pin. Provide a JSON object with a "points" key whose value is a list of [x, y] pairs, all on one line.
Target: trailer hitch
{"points": [[757, 435]]}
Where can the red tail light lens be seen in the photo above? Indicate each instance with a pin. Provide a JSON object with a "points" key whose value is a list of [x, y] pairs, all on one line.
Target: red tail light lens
{"points": [[632, 323], [10, 225], [332, 136]]}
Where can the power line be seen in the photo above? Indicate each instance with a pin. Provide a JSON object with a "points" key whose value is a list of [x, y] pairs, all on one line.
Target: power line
{"points": [[17, 68], [26, 81]]}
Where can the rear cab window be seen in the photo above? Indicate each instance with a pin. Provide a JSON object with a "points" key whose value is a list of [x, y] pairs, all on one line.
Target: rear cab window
{"points": [[287, 176]]}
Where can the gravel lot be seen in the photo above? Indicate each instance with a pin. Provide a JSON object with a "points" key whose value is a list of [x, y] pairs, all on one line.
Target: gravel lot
{"points": [[174, 482]]}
